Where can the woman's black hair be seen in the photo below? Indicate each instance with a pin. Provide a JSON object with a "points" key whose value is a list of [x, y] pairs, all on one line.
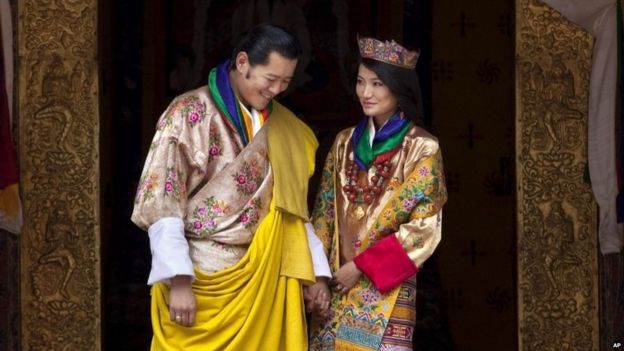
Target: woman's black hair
{"points": [[263, 39], [404, 85]]}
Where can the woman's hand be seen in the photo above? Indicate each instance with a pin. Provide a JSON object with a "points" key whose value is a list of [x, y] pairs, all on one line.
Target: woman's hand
{"points": [[182, 306], [317, 297], [345, 278]]}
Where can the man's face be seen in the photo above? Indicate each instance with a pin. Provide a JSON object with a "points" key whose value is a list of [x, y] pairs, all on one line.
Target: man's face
{"points": [[260, 83]]}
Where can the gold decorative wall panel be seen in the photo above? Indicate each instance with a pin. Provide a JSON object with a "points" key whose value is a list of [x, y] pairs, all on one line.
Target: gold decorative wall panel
{"points": [[557, 238], [59, 157]]}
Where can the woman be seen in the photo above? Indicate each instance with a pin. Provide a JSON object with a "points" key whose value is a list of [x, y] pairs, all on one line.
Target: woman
{"points": [[379, 208]]}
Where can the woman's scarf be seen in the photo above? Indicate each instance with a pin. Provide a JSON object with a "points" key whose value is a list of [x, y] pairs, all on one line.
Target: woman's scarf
{"points": [[386, 140]]}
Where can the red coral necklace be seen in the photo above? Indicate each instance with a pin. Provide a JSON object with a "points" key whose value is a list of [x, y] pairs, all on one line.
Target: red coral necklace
{"points": [[357, 193]]}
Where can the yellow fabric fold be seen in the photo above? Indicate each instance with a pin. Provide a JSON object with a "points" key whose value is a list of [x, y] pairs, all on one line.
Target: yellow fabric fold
{"points": [[296, 256], [291, 150], [290, 140], [248, 306]]}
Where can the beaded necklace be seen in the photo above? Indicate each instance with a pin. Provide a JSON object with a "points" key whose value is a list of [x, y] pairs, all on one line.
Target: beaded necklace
{"points": [[373, 188], [358, 188]]}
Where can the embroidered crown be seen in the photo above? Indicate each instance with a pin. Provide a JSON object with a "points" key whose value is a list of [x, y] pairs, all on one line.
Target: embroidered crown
{"points": [[389, 52]]}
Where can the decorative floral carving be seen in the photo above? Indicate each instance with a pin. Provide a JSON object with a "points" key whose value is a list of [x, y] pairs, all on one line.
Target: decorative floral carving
{"points": [[556, 223], [58, 133]]}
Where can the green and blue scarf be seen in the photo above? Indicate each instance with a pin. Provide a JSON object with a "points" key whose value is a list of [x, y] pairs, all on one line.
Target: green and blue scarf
{"points": [[224, 97], [385, 143]]}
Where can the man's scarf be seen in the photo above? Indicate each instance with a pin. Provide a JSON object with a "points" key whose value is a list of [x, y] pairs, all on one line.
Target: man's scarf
{"points": [[227, 102]]}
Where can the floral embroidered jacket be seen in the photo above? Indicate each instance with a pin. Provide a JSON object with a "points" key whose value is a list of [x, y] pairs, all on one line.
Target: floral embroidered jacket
{"points": [[419, 236], [197, 169], [387, 239]]}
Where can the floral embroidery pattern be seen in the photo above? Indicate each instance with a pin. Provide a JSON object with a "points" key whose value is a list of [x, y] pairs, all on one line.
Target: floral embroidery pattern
{"points": [[393, 183], [173, 184], [417, 242], [146, 188], [214, 147], [325, 198], [190, 107], [323, 212], [249, 178], [165, 121], [368, 296], [194, 110], [421, 195], [204, 218], [250, 216], [223, 247]]}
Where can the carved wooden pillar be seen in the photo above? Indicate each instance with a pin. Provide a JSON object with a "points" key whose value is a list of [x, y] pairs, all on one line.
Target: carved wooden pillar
{"points": [[557, 239], [59, 157]]}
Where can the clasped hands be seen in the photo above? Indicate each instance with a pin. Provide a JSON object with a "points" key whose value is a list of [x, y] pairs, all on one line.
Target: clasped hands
{"points": [[317, 296], [182, 304]]}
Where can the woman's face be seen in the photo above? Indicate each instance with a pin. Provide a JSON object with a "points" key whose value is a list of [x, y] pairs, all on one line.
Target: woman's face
{"points": [[375, 97]]}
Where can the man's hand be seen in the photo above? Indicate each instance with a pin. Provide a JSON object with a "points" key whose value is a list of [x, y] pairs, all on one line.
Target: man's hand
{"points": [[317, 297], [182, 306]]}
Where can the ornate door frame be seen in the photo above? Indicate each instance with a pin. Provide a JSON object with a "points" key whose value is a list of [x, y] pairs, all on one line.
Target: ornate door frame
{"points": [[558, 303], [60, 175]]}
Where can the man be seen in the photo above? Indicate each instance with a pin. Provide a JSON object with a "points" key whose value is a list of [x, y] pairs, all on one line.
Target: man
{"points": [[223, 197]]}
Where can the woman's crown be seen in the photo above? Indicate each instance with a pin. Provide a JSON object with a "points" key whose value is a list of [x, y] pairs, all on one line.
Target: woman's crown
{"points": [[389, 52]]}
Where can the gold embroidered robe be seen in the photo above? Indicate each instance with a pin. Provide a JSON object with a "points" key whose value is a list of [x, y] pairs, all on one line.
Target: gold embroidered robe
{"points": [[409, 208]]}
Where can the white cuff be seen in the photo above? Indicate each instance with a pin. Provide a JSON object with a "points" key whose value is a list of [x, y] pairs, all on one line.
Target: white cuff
{"points": [[170, 250], [319, 260]]}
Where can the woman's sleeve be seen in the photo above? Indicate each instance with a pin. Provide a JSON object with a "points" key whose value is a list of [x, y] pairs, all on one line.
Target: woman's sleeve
{"points": [[395, 258], [323, 212]]}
